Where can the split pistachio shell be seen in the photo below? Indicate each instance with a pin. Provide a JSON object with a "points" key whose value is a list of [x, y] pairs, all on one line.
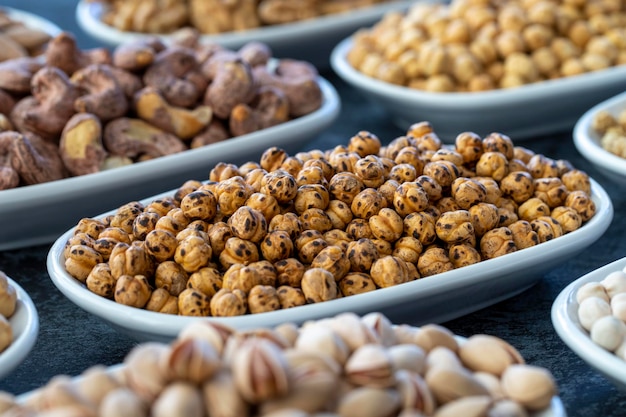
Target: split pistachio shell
{"points": [[531, 386], [213, 332], [59, 392], [473, 406], [408, 357], [7, 401], [95, 384], [414, 392], [591, 289], [507, 408], [381, 325], [179, 399], [492, 383], [142, 371], [449, 384], [352, 330], [591, 309], [432, 335], [222, 398], [608, 332], [369, 402], [123, 402], [488, 354], [371, 366], [193, 360], [615, 283], [442, 357], [325, 340]]}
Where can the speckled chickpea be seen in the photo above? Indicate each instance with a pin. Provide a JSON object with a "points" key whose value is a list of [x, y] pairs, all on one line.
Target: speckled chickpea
{"points": [[171, 276], [582, 203], [318, 285], [454, 226], [238, 250], [309, 244], [545, 61], [322, 164], [446, 204], [492, 164], [370, 170], [423, 139], [410, 197], [389, 270], [192, 253], [499, 142], [277, 245], [126, 214], [199, 205], [551, 191], [537, 36], [541, 166], [161, 301], [133, 291], [130, 260], [174, 221], [316, 219], [367, 203], [207, 280], [344, 186], [445, 154], [506, 217], [161, 244], [484, 217], [386, 225], [311, 196], [497, 242], [364, 143], [232, 193], [463, 254], [412, 156], [421, 226], [144, 223], [80, 238], [254, 178], [434, 260], [408, 249], [248, 224], [577, 180], [396, 145], [356, 283], [290, 297], [334, 260], [263, 298], [108, 239], [547, 228], [185, 188], [359, 228], [403, 173], [444, 172], [289, 272], [223, 171], [218, 233], [433, 188], [523, 234], [468, 192], [493, 188], [339, 214], [161, 205], [338, 237], [311, 175], [272, 158], [92, 227], [192, 302], [227, 303], [517, 165], [343, 161], [361, 254], [533, 208], [518, 185], [248, 166], [100, 281], [568, 218]]}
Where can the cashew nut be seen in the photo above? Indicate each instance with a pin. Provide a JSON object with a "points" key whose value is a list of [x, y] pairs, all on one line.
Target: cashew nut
{"points": [[104, 97], [63, 52], [15, 74], [135, 138], [136, 56], [81, 144], [36, 160], [232, 83], [9, 178], [270, 107]]}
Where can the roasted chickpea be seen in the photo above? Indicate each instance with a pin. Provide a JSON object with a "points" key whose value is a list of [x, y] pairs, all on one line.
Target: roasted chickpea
{"points": [[223, 171], [130, 260], [248, 224], [568, 218], [218, 233], [254, 178], [227, 303], [207, 280], [359, 228], [408, 249], [289, 272], [334, 260], [192, 253], [362, 254], [421, 226], [289, 297], [199, 205], [318, 285], [272, 158], [492, 164], [161, 244], [463, 254], [124, 217], [309, 244], [356, 283], [454, 226], [551, 191], [144, 223], [541, 166], [367, 203], [484, 217], [577, 180], [432, 187], [370, 170], [497, 242], [311, 196], [99, 281], [434, 260], [263, 298], [161, 301], [469, 146], [133, 291], [582, 203], [288, 222], [468, 192], [338, 237], [444, 172], [523, 234], [174, 221], [171, 277], [389, 270], [533, 208], [237, 250], [547, 228], [344, 186], [518, 185], [410, 197], [161, 206]]}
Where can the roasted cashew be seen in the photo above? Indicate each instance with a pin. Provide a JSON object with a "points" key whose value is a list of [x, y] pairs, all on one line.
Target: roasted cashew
{"points": [[36, 160], [185, 124], [81, 145], [270, 107], [135, 138], [9, 177], [63, 52], [176, 73], [137, 55], [298, 80], [214, 132], [232, 83], [50, 106], [16, 74], [6, 102], [104, 97]]}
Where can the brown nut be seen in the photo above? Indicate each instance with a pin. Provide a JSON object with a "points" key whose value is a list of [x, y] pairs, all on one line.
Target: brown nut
{"points": [[547, 228], [577, 180], [358, 229], [370, 170], [367, 203], [434, 260], [455, 226], [162, 301], [100, 281], [267, 205], [388, 271], [532, 209], [484, 217], [364, 143], [132, 291], [248, 224], [497, 242], [518, 185], [80, 261], [207, 280], [356, 283], [288, 222], [318, 285], [339, 213], [309, 244], [421, 226], [281, 185], [161, 244], [199, 205], [192, 253], [238, 250], [334, 260], [232, 194], [444, 172], [245, 277], [523, 234], [410, 197], [492, 164], [277, 245], [568, 218], [218, 234], [290, 297], [463, 254], [316, 219], [171, 276], [551, 191], [582, 203], [226, 303], [311, 196], [263, 298], [344, 186]]}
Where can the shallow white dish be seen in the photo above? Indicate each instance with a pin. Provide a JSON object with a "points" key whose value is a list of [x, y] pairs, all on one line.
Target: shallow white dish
{"points": [[311, 40], [39, 213], [587, 141], [32, 20], [436, 298], [25, 325], [565, 321], [528, 111]]}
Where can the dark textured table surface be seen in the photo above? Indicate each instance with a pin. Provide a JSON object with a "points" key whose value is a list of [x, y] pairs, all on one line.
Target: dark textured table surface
{"points": [[70, 340]]}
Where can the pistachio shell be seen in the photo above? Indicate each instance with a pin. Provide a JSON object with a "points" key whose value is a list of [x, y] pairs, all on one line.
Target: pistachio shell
{"points": [[352, 330], [473, 406], [178, 399], [221, 397], [381, 326], [59, 392], [449, 384], [443, 357], [488, 354], [370, 365], [433, 335], [122, 402], [213, 332], [531, 386], [492, 383], [325, 340], [142, 371], [95, 384], [369, 402], [414, 392], [507, 408], [409, 357], [289, 331]]}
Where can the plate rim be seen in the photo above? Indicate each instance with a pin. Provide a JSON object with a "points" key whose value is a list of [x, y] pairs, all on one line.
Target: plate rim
{"points": [[31, 19], [477, 100], [568, 328], [123, 316], [21, 345]]}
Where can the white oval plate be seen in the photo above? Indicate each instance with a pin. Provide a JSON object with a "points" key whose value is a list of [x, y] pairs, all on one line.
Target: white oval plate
{"points": [[587, 141], [311, 39], [565, 321], [521, 113], [39, 213], [32, 20], [25, 325], [436, 298]]}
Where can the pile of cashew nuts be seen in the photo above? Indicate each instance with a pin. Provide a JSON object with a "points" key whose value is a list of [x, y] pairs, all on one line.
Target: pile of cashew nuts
{"points": [[73, 112]]}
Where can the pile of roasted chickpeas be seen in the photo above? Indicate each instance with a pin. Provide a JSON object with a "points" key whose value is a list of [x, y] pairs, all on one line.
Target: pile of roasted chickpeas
{"points": [[469, 45], [315, 226], [343, 366]]}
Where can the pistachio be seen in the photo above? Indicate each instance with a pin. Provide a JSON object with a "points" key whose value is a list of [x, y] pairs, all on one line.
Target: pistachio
{"points": [[414, 392], [488, 354], [369, 402], [178, 399], [381, 326], [222, 398], [371, 366], [406, 356], [352, 330], [215, 333], [142, 371], [432, 335], [449, 384], [531, 386], [471, 406], [95, 384], [507, 408], [324, 340], [192, 360], [123, 402]]}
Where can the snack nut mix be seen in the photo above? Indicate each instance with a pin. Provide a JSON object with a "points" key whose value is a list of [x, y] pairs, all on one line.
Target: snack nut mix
{"points": [[73, 112], [217, 16], [469, 45], [343, 366], [8, 305], [319, 225]]}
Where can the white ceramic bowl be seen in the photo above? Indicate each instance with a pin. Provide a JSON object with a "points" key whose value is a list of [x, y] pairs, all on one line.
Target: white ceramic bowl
{"points": [[40, 213], [25, 325], [311, 40], [587, 141], [436, 298], [521, 113], [565, 321], [32, 20]]}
